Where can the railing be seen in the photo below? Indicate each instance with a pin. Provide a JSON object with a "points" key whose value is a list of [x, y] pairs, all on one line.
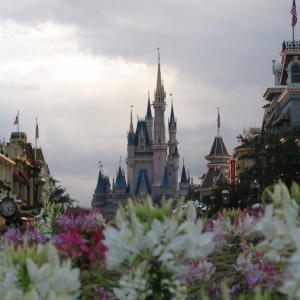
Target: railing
{"points": [[291, 45]]}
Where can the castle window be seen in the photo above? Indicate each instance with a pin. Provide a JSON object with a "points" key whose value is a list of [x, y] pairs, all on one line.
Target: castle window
{"points": [[295, 74]]}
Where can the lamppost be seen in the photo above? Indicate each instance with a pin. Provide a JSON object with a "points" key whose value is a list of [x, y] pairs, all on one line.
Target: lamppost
{"points": [[255, 190], [225, 197]]}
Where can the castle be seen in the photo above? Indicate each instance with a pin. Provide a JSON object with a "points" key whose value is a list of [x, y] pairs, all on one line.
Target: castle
{"points": [[152, 161]]}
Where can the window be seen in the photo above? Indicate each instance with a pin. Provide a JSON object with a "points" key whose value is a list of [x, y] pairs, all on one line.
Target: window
{"points": [[295, 74]]}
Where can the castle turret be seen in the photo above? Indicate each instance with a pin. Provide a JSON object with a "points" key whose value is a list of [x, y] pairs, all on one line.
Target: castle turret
{"points": [[173, 157], [120, 186], [99, 196], [159, 145], [149, 120], [184, 183], [172, 132], [166, 187], [130, 153]]}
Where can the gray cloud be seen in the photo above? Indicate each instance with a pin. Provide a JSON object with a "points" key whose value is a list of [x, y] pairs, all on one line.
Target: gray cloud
{"points": [[78, 66]]}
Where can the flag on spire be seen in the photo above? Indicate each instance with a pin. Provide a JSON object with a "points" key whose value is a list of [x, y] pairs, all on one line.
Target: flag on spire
{"points": [[294, 13], [37, 135], [16, 122]]}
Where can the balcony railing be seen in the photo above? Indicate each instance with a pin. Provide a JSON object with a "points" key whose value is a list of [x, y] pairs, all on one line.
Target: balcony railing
{"points": [[291, 45]]}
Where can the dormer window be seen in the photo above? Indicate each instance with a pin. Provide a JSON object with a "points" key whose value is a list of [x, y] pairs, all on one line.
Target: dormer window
{"points": [[142, 144], [295, 70]]}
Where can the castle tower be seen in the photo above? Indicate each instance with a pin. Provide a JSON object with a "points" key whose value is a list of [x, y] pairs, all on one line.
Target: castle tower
{"points": [[159, 146], [119, 191], [130, 154], [99, 196], [173, 157], [184, 183], [149, 120], [166, 187]]}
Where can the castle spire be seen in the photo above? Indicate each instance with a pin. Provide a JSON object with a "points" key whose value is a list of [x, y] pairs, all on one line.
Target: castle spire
{"points": [[159, 84], [172, 117], [218, 122], [131, 123], [149, 113], [183, 174]]}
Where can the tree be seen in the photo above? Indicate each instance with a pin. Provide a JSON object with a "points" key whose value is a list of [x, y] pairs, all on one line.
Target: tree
{"points": [[275, 157], [58, 193]]}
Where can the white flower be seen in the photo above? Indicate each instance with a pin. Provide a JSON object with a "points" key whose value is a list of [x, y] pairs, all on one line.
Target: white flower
{"points": [[48, 278]]}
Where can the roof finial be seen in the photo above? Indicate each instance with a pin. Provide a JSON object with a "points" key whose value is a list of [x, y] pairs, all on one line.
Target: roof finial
{"points": [[218, 121], [158, 55], [120, 162], [183, 161]]}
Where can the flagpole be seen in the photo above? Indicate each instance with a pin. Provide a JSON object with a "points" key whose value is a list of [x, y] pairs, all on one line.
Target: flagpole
{"points": [[36, 124], [218, 122], [294, 18], [293, 34]]}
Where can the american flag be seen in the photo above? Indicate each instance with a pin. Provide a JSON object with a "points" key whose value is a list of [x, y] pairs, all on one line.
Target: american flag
{"points": [[37, 135], [218, 120], [294, 14], [16, 122]]}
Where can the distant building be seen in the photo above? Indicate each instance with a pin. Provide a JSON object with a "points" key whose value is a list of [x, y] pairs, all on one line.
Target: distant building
{"points": [[248, 142], [24, 171], [152, 161], [283, 110], [218, 160]]}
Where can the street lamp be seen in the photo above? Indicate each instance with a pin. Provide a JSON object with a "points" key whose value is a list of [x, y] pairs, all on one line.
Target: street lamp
{"points": [[255, 189], [225, 197]]}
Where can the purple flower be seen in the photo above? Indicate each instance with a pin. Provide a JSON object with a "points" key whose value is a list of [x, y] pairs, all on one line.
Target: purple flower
{"points": [[13, 236], [18, 235]]}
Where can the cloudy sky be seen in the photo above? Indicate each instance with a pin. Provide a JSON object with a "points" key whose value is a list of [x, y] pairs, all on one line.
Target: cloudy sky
{"points": [[78, 66]]}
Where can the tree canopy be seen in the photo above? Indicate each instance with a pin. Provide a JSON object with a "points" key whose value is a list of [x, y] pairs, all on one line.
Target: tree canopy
{"points": [[275, 157], [58, 193]]}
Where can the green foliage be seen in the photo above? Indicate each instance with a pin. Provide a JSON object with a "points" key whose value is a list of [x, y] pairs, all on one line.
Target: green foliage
{"points": [[58, 193], [276, 157], [4, 186]]}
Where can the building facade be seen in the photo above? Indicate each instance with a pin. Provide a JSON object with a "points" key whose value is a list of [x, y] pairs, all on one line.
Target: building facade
{"points": [[283, 109], [23, 171], [218, 165]]}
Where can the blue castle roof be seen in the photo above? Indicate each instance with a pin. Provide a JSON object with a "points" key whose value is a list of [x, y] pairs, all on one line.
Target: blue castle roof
{"points": [[176, 153], [120, 180], [130, 139], [143, 175], [183, 176], [141, 126], [149, 113], [166, 182], [101, 184], [166, 185], [172, 118], [100, 191]]}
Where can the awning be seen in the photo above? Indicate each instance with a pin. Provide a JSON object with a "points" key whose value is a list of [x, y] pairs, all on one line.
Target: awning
{"points": [[25, 179], [17, 177]]}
